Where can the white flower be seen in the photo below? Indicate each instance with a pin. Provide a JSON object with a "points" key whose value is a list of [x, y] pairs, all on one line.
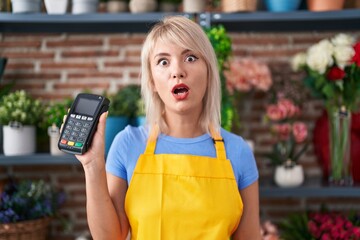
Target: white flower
{"points": [[298, 61], [342, 39], [343, 55], [319, 56]]}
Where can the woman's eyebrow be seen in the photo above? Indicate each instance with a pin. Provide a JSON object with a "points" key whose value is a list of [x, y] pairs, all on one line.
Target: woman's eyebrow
{"points": [[167, 54]]}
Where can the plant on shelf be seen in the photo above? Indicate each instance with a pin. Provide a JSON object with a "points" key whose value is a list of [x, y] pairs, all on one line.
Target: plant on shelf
{"points": [[245, 76], [124, 102], [19, 107], [332, 69], [20, 115], [290, 141], [54, 113], [27, 207], [123, 106]]}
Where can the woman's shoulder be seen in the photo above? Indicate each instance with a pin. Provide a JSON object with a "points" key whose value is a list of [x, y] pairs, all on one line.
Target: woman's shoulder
{"points": [[132, 134]]}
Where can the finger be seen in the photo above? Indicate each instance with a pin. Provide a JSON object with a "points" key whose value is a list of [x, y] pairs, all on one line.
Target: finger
{"points": [[64, 118], [61, 127]]}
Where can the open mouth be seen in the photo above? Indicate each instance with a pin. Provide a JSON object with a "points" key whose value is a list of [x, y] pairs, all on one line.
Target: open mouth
{"points": [[180, 91]]}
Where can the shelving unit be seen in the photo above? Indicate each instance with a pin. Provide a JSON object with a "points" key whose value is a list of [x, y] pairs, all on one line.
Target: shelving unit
{"points": [[260, 21], [345, 20]]}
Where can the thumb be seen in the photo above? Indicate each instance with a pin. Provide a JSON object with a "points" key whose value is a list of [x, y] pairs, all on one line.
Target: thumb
{"points": [[102, 123]]}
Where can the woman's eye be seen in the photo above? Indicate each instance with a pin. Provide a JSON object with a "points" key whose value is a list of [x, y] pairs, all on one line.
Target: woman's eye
{"points": [[162, 62], [191, 58]]}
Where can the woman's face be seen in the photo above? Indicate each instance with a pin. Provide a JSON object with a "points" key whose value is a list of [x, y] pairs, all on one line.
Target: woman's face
{"points": [[180, 78]]}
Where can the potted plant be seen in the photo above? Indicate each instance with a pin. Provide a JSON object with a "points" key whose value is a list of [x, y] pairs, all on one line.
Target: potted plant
{"points": [[290, 136], [194, 6], [169, 5], [54, 113], [114, 6], [27, 207], [26, 6], [123, 106], [20, 115], [56, 7], [84, 6], [140, 6]]}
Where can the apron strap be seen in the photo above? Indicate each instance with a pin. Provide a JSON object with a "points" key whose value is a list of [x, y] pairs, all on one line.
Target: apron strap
{"points": [[219, 143], [151, 143]]}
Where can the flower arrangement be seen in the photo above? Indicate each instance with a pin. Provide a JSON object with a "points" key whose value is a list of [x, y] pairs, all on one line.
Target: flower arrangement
{"points": [[320, 226], [29, 200], [332, 69], [247, 74], [289, 132], [19, 107]]}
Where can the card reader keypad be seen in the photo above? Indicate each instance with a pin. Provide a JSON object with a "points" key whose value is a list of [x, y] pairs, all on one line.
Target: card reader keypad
{"points": [[76, 130]]}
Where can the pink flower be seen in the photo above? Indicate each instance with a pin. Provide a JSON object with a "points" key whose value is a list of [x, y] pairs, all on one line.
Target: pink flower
{"points": [[283, 130], [288, 106], [326, 236], [300, 132], [245, 74], [275, 113]]}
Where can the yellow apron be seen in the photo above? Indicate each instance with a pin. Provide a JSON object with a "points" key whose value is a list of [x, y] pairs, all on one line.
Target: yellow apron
{"points": [[176, 196]]}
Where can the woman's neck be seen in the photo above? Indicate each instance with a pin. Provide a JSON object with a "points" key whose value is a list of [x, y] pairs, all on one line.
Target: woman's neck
{"points": [[183, 126]]}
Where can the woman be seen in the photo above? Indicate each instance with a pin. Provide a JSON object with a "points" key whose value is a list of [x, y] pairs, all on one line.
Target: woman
{"points": [[182, 177]]}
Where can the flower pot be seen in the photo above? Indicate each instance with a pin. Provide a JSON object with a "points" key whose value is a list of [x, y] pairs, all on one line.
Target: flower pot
{"points": [[84, 6], [194, 6], [238, 5], [282, 5], [31, 229], [168, 7], [19, 140], [289, 176], [325, 5], [56, 6], [114, 6], [139, 6], [26, 6], [113, 126], [54, 135]]}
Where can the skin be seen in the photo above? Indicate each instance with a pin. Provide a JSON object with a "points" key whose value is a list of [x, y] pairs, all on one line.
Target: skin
{"points": [[170, 65]]}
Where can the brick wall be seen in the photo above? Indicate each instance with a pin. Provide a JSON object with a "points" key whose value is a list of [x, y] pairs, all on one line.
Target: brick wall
{"points": [[54, 66]]}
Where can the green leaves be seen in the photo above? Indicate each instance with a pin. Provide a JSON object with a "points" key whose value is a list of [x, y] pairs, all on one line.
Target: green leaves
{"points": [[221, 43], [125, 101]]}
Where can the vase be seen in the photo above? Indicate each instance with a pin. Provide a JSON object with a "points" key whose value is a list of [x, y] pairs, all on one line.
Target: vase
{"points": [[26, 6], [339, 134], [84, 6], [56, 6], [141, 6], [19, 139], [113, 126], [282, 5], [194, 6], [54, 135], [289, 174], [325, 5], [238, 5]]}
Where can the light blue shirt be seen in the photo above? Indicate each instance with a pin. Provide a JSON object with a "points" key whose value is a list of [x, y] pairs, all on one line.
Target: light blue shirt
{"points": [[131, 142]]}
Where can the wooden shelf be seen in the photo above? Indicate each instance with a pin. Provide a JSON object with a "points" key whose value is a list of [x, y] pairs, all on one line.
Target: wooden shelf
{"points": [[260, 21]]}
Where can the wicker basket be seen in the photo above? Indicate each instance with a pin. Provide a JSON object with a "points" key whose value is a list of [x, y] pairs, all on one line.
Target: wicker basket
{"points": [[26, 230], [238, 5]]}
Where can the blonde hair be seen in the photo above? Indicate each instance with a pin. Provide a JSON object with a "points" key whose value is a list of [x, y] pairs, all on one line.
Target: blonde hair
{"points": [[189, 35]]}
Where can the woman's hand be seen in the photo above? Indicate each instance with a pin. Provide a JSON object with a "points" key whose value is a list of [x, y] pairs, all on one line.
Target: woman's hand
{"points": [[96, 152]]}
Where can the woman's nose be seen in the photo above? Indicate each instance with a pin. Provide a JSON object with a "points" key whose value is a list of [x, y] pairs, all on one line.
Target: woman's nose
{"points": [[178, 71]]}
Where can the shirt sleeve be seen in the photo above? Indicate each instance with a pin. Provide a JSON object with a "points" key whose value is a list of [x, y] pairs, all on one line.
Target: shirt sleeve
{"points": [[249, 172]]}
